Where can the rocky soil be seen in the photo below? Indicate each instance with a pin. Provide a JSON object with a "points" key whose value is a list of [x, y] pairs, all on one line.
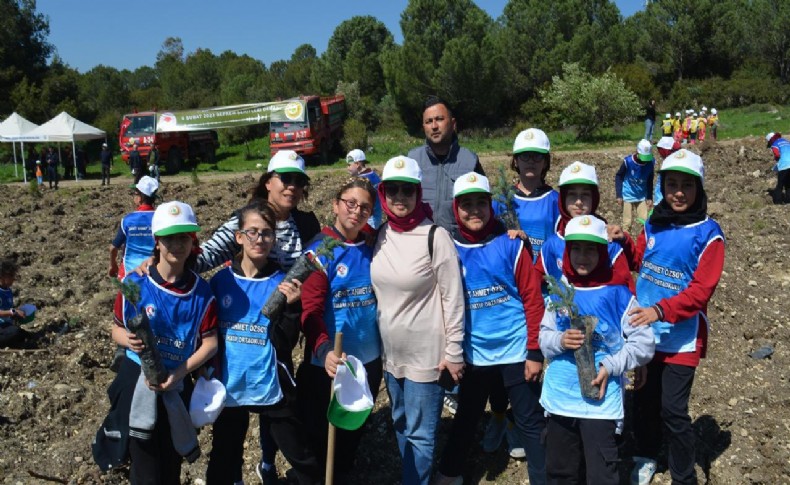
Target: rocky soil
{"points": [[52, 394]]}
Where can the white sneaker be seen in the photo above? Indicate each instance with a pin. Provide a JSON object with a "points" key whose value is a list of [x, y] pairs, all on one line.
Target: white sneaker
{"points": [[644, 469], [495, 432], [514, 446]]}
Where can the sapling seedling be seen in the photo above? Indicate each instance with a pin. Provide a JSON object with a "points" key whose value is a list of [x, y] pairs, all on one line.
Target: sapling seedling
{"points": [[504, 193]]}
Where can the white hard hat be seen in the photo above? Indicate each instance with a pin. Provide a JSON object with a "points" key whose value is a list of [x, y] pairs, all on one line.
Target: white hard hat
{"points": [[677, 115], [713, 111], [668, 116]]}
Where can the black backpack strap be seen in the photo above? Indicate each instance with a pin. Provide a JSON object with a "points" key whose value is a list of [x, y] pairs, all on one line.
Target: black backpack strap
{"points": [[431, 232]]}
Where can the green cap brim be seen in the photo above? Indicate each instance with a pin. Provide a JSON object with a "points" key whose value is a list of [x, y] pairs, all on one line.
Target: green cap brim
{"points": [[578, 181], [472, 190], [681, 169], [178, 229], [291, 170], [401, 179], [585, 237], [530, 149], [645, 157], [344, 419]]}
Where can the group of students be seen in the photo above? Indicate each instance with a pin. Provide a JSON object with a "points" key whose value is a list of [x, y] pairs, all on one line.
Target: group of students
{"points": [[693, 127], [422, 307]]}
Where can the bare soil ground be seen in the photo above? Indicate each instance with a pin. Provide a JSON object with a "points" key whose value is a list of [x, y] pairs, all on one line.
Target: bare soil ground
{"points": [[52, 396]]}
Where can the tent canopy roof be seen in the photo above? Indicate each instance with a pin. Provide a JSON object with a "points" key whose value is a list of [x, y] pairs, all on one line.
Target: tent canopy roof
{"points": [[15, 128], [65, 127]]}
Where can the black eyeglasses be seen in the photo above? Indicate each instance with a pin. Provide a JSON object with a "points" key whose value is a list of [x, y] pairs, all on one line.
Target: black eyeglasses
{"points": [[406, 188], [253, 234], [530, 157], [298, 180], [351, 204]]}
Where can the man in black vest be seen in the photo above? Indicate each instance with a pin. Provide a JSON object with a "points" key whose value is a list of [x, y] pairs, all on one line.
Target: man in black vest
{"points": [[442, 160]]}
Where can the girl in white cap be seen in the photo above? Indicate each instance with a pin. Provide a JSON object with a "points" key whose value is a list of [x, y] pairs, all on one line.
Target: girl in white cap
{"points": [[255, 361], [504, 307], [580, 433], [680, 259], [182, 313], [415, 271]]}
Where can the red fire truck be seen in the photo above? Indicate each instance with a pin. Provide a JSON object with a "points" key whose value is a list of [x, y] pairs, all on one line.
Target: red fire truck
{"points": [[175, 147], [317, 134]]}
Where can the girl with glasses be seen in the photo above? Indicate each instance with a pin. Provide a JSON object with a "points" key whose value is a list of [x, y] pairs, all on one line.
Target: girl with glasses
{"points": [[255, 355], [340, 300]]}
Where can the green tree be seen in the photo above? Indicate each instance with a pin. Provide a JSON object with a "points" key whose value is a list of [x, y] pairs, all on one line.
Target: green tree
{"points": [[23, 48], [770, 34], [588, 102]]}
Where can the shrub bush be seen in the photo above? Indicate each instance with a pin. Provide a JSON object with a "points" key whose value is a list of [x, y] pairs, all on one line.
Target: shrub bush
{"points": [[355, 135]]}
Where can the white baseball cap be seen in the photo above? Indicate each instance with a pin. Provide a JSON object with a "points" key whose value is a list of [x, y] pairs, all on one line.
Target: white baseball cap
{"points": [[704, 108], [470, 183], [769, 136], [147, 185], [174, 218], [286, 161], [207, 401], [531, 140], [668, 116], [644, 150], [356, 155], [713, 111], [677, 115], [104, 145], [586, 228], [578, 173], [666, 142], [402, 169], [684, 161]]}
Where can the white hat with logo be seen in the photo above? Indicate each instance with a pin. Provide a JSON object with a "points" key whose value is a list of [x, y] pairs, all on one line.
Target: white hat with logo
{"points": [[147, 185], [174, 218], [286, 161], [531, 140], [402, 169], [713, 111], [644, 150], [684, 161], [355, 155], [471, 182], [578, 173], [586, 228]]}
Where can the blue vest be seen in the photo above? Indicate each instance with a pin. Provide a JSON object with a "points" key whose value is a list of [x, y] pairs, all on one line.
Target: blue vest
{"points": [[671, 258], [784, 153], [249, 362], [139, 244], [561, 391], [374, 220], [175, 318], [350, 305], [538, 217], [635, 187], [495, 327], [6, 303], [553, 252]]}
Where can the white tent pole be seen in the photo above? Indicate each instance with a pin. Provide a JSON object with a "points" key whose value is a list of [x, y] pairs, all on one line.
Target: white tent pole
{"points": [[74, 158], [24, 168], [60, 159], [13, 145]]}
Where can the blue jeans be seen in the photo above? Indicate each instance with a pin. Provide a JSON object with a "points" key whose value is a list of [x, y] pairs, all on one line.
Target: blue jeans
{"points": [[649, 129], [416, 410]]}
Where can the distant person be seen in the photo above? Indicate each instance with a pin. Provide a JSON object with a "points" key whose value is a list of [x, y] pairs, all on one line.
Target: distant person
{"points": [[666, 125], [702, 122], [68, 164], [677, 127], [713, 123], [52, 161], [357, 167], [80, 161], [106, 164], [154, 162], [10, 334], [633, 184], [650, 119], [39, 173], [136, 163], [134, 234], [693, 128], [780, 147], [442, 160]]}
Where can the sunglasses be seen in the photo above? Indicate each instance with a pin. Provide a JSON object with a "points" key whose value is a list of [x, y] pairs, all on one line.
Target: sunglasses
{"points": [[298, 180], [407, 189]]}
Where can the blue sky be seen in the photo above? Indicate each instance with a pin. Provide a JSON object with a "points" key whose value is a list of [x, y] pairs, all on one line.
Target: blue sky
{"points": [[87, 33]]}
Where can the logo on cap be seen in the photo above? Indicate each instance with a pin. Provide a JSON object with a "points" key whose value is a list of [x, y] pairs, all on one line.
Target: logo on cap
{"points": [[576, 168], [528, 135], [400, 163], [680, 154], [471, 178], [349, 159], [585, 221], [292, 155], [175, 210]]}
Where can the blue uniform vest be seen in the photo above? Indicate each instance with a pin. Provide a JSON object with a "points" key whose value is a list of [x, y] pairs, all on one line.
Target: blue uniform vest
{"points": [[374, 220], [139, 238], [495, 326], [561, 392], [175, 318], [554, 250], [6, 303], [657, 195], [249, 362], [784, 153], [671, 257], [350, 305], [538, 217], [635, 187]]}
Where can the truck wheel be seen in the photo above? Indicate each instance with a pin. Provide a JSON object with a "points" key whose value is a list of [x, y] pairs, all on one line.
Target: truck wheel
{"points": [[174, 161]]}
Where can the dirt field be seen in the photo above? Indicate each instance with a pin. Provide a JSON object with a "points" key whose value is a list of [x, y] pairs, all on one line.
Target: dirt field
{"points": [[52, 397]]}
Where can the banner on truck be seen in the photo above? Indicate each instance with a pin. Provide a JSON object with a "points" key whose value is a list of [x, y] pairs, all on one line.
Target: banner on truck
{"points": [[230, 116]]}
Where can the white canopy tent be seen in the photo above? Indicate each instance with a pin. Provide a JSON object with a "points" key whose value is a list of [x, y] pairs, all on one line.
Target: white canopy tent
{"points": [[65, 128], [15, 129]]}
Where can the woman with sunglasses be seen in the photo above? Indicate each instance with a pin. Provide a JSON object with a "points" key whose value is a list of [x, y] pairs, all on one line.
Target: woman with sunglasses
{"points": [[340, 299], [415, 271]]}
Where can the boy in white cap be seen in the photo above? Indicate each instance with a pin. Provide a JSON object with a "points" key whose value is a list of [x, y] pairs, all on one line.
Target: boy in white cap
{"points": [[504, 306], [780, 147], [106, 164], [182, 314], [357, 167], [713, 123], [134, 233], [580, 432], [633, 183], [666, 125], [680, 257]]}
